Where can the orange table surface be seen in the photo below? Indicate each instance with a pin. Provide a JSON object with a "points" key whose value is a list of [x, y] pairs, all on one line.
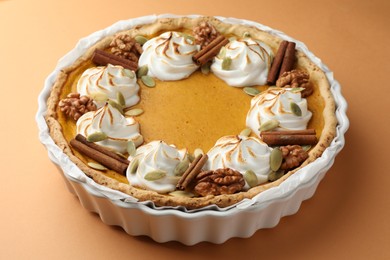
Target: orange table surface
{"points": [[347, 218]]}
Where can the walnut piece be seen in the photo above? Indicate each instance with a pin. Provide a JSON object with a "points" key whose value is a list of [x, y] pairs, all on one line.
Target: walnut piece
{"points": [[296, 79], [204, 33], [293, 156], [75, 106], [217, 182], [126, 47]]}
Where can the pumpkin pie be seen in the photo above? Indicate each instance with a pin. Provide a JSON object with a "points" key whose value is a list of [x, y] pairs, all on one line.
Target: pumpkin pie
{"points": [[192, 112]]}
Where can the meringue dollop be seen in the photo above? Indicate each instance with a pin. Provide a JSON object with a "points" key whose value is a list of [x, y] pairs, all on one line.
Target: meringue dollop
{"points": [[156, 156], [275, 103], [250, 63], [118, 128], [108, 81], [169, 56], [241, 153]]}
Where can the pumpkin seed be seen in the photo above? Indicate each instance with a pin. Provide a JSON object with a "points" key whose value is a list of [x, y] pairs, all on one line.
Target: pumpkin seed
{"points": [[275, 159], [222, 53], [155, 175], [273, 176], [131, 149], [205, 68], [97, 166], [246, 132], [269, 125], [99, 96], [226, 63], [140, 39], [190, 157], [251, 178], [142, 71], [181, 193], [114, 104], [129, 73], [251, 91], [295, 109], [296, 90], [148, 81], [133, 166], [306, 148], [246, 35], [121, 99], [96, 137], [181, 167], [134, 112], [198, 152]]}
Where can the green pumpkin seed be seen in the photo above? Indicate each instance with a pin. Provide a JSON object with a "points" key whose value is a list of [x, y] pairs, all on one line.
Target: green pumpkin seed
{"points": [[275, 159], [246, 132], [251, 91], [96, 137], [246, 35], [115, 104], [306, 148], [226, 63], [295, 109], [251, 178], [181, 167], [129, 73], [222, 53], [140, 39], [131, 149], [269, 125], [273, 176], [142, 71], [155, 175], [205, 68], [120, 98], [134, 112], [296, 90], [190, 157], [99, 96], [148, 81], [181, 193], [133, 166], [97, 166]]}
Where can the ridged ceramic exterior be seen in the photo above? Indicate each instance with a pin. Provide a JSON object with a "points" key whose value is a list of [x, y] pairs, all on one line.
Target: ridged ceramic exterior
{"points": [[191, 227]]}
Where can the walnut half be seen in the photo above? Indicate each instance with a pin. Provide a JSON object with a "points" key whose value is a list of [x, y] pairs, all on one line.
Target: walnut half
{"points": [[296, 79], [220, 181]]}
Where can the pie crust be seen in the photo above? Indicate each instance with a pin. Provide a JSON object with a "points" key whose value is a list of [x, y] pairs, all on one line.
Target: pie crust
{"points": [[58, 129]]}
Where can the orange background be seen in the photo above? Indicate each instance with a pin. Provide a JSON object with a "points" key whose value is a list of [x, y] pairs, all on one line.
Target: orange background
{"points": [[347, 217]]}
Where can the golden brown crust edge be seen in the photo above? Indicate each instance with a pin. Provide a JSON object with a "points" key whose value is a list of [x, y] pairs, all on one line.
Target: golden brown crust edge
{"points": [[316, 75]]}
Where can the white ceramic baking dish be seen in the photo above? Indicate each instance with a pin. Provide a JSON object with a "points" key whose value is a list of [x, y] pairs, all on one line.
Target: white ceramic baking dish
{"points": [[177, 224]]}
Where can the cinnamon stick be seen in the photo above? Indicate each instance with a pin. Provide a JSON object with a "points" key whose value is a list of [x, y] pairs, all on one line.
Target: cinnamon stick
{"points": [[103, 58], [275, 67], [192, 171], [210, 51], [101, 149], [283, 139], [309, 131], [100, 157], [288, 59]]}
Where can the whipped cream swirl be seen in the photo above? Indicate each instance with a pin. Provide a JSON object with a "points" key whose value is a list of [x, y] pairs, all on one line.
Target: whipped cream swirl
{"points": [[275, 103], [169, 56], [110, 121], [107, 81], [156, 156], [241, 153], [250, 63]]}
